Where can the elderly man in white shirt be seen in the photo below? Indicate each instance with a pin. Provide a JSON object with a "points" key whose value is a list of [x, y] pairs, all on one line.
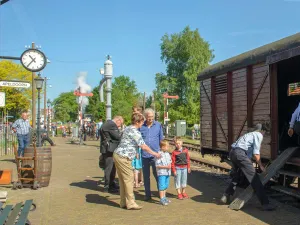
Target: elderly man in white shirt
{"points": [[242, 151]]}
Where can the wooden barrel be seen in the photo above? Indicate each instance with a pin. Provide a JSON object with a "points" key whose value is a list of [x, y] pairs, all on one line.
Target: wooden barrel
{"points": [[44, 165]]}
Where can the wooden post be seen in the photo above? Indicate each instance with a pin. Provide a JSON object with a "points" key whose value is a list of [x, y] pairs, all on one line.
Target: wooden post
{"points": [[33, 112], [229, 110], [213, 112], [153, 102], [274, 111], [249, 96], [144, 101], [45, 102]]}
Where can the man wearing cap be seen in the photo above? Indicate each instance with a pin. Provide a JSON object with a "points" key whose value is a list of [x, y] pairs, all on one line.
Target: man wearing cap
{"points": [[245, 148]]}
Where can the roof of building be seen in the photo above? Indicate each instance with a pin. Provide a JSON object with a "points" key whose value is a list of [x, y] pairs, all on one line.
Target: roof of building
{"points": [[251, 57]]}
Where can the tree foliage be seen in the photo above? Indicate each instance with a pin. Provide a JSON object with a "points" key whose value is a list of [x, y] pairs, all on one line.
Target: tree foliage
{"points": [[66, 107], [124, 96], [185, 54], [17, 99], [95, 107]]}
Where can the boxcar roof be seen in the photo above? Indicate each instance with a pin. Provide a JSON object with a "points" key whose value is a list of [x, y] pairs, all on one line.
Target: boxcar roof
{"points": [[254, 56]]}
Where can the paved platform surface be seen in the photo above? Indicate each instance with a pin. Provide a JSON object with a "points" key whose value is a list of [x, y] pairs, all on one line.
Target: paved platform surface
{"points": [[73, 197]]}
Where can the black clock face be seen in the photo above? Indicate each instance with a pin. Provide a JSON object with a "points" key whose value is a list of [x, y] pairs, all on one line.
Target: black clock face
{"points": [[33, 60]]}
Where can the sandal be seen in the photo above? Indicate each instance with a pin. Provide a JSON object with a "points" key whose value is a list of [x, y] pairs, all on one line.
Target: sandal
{"points": [[136, 186], [141, 183]]}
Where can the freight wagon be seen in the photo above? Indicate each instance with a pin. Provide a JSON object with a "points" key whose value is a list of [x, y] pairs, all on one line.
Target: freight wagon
{"points": [[258, 86]]}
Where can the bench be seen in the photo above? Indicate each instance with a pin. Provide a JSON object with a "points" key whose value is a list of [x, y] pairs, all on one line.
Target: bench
{"points": [[18, 214]]}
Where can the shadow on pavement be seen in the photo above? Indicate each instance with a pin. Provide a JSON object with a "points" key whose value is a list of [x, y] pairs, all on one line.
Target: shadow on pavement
{"points": [[90, 185], [212, 188], [7, 160], [98, 199]]}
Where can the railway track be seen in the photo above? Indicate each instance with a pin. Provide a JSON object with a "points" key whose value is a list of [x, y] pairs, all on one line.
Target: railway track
{"points": [[202, 163], [222, 172]]}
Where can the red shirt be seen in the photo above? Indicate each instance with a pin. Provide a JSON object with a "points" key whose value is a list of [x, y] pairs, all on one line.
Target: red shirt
{"points": [[180, 159]]}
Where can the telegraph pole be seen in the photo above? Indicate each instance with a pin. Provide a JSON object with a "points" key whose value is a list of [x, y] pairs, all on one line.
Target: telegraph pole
{"points": [[144, 102], [33, 113], [153, 101]]}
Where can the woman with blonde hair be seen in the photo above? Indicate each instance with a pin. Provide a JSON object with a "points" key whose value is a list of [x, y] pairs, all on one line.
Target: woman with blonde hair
{"points": [[123, 156]]}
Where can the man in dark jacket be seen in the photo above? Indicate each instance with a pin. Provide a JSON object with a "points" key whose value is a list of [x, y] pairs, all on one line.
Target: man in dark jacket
{"points": [[110, 139]]}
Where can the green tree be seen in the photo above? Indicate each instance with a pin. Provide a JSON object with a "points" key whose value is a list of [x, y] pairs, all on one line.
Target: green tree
{"points": [[17, 99], [124, 96], [95, 107], [185, 54], [66, 107]]}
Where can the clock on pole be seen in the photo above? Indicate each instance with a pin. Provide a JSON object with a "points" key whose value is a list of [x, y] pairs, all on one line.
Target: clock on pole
{"points": [[33, 60]]}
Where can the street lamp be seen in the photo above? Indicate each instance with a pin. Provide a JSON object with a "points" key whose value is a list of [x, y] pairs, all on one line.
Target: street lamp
{"points": [[39, 85], [48, 118]]}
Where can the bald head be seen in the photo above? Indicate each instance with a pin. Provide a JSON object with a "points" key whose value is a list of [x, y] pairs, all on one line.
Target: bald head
{"points": [[118, 120]]}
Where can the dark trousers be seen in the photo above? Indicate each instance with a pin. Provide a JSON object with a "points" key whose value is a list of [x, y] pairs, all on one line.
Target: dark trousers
{"points": [[147, 162], [240, 160], [23, 141], [109, 170]]}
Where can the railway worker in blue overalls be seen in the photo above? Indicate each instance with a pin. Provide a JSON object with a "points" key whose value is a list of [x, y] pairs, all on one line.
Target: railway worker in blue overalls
{"points": [[245, 148]]}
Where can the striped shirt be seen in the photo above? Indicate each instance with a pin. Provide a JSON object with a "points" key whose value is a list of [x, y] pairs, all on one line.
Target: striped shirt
{"points": [[22, 126], [295, 116], [165, 160], [249, 142]]}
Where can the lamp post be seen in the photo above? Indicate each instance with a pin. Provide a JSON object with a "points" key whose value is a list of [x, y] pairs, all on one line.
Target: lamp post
{"points": [[39, 85], [48, 117]]}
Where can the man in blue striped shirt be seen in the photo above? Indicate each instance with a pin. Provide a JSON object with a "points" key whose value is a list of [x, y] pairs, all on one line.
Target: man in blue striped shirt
{"points": [[22, 128]]}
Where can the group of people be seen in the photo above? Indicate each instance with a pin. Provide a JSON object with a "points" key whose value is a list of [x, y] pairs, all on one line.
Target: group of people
{"points": [[142, 145], [122, 155], [120, 152]]}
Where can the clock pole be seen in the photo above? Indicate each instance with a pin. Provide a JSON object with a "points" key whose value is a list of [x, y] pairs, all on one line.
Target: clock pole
{"points": [[33, 96]]}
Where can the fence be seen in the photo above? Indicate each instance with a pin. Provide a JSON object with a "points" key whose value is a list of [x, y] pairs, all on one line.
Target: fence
{"points": [[7, 137]]}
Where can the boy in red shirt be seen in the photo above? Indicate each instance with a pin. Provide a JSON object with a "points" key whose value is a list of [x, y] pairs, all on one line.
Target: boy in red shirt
{"points": [[180, 167]]}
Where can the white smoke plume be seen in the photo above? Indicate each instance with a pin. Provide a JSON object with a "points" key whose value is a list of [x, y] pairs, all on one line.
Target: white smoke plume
{"points": [[84, 88]]}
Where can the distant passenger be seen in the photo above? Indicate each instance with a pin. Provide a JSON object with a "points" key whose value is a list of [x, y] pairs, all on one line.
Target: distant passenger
{"points": [[245, 148], [295, 122]]}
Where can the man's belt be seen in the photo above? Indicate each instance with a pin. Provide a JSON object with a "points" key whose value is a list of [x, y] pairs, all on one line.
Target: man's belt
{"points": [[238, 148]]}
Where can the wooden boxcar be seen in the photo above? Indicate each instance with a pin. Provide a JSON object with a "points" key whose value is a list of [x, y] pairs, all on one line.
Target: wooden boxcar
{"points": [[247, 89]]}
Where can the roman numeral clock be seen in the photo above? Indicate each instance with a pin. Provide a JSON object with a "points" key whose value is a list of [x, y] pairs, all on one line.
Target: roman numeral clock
{"points": [[33, 60]]}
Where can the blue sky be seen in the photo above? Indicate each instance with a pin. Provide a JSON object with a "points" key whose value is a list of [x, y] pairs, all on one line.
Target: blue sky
{"points": [[76, 35]]}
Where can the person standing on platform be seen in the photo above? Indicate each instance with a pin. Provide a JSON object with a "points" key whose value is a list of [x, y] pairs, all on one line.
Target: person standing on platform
{"points": [[110, 139], [98, 126], [152, 133], [245, 148], [22, 128]]}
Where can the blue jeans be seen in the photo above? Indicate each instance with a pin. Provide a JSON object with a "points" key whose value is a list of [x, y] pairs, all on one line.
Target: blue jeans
{"points": [[163, 182], [23, 140], [180, 178], [147, 162]]}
